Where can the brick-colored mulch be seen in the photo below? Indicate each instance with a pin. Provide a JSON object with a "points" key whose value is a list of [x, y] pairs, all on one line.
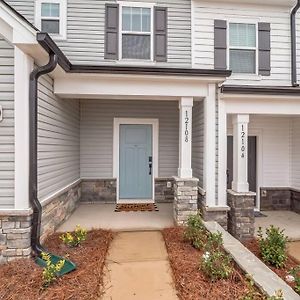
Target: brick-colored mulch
{"points": [[191, 283], [253, 246], [22, 279]]}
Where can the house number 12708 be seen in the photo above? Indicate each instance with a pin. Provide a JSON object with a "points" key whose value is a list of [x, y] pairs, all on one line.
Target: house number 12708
{"points": [[186, 132], [243, 147]]}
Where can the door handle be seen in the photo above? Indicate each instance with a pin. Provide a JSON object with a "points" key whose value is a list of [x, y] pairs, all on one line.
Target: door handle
{"points": [[150, 165]]}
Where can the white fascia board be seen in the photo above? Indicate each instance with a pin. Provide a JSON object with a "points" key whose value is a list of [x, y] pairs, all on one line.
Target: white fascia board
{"points": [[20, 32], [130, 85], [263, 106]]}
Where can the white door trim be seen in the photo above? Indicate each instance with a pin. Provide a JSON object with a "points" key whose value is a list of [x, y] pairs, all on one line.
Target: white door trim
{"points": [[116, 148]]}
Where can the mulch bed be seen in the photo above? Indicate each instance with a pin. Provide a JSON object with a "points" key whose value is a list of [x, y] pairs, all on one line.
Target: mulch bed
{"points": [[22, 279], [253, 246], [190, 282]]}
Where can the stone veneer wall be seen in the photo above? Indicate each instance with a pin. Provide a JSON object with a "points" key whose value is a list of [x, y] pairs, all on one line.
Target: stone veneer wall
{"points": [[99, 190], [59, 208], [295, 200], [15, 235], [241, 215], [185, 199], [163, 193], [275, 199]]}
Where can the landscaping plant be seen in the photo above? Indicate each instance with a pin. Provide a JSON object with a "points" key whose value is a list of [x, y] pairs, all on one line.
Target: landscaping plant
{"points": [[76, 238], [273, 246], [295, 272], [215, 263], [50, 271], [195, 231]]}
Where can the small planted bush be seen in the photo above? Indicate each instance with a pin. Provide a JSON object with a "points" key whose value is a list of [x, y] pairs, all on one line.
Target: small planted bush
{"points": [[50, 272], [295, 273], [195, 231], [215, 263], [273, 246], [74, 239]]}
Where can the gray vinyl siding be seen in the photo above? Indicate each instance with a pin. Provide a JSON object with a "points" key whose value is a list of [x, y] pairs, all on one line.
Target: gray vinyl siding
{"points": [[7, 142], [96, 134], [24, 7], [198, 141], [85, 30], [58, 140]]}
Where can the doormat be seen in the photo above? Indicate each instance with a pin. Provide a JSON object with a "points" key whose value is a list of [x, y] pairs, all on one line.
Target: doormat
{"points": [[136, 207], [258, 214]]}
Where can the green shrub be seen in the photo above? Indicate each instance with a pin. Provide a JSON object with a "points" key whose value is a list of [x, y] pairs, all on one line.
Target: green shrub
{"points": [[51, 270], [278, 296], [273, 246], [295, 272], [215, 263], [195, 231], [74, 239]]}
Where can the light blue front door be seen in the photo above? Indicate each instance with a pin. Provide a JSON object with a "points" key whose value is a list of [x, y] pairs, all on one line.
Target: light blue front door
{"points": [[135, 181]]}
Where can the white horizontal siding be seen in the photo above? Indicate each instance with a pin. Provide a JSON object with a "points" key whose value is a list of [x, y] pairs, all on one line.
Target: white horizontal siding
{"points": [[203, 36], [7, 140], [96, 133], [276, 149], [295, 162], [58, 140], [198, 141], [24, 7]]}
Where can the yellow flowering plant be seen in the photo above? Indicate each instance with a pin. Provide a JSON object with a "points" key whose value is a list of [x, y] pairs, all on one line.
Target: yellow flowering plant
{"points": [[51, 270], [74, 239]]}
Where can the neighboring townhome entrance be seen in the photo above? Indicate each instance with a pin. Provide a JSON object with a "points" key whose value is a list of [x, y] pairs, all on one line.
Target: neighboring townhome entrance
{"points": [[136, 162], [252, 162]]}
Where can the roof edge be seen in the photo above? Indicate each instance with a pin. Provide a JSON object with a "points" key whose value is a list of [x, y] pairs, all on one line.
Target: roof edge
{"points": [[260, 90], [50, 46]]}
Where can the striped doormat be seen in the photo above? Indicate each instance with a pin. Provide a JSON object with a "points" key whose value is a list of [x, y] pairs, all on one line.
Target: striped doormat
{"points": [[136, 207]]}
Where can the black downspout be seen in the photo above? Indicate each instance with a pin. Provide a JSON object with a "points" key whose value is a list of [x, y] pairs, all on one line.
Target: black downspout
{"points": [[33, 139], [294, 44]]}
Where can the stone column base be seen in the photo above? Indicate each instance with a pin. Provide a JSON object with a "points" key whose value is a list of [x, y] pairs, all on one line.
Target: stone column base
{"points": [[241, 214], [15, 235], [217, 214], [185, 199]]}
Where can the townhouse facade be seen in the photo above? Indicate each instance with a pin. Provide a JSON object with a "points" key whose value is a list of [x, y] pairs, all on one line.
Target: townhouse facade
{"points": [[195, 103]]}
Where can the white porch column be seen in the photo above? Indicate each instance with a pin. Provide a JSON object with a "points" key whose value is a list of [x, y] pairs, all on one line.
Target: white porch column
{"points": [[240, 153], [23, 66], [209, 176], [185, 137]]}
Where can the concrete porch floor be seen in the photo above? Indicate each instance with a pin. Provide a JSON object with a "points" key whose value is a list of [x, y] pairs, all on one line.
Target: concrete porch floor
{"points": [[103, 216], [287, 220]]}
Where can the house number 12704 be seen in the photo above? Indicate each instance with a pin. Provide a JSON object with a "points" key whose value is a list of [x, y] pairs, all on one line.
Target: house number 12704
{"points": [[243, 147], [186, 132]]}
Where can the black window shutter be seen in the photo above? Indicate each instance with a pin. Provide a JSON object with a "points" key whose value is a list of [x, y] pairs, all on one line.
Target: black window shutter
{"points": [[220, 38], [111, 31], [160, 34], [264, 49]]}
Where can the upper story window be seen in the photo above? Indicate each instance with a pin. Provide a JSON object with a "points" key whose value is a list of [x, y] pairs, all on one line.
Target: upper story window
{"points": [[136, 33], [51, 17], [243, 48]]}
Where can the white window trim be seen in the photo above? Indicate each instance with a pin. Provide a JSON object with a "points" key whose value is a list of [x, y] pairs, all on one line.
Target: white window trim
{"points": [[116, 152], [252, 76], [62, 17], [143, 5]]}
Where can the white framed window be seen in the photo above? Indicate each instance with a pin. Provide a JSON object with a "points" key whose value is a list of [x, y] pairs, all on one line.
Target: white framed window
{"points": [[51, 17], [136, 31], [243, 49]]}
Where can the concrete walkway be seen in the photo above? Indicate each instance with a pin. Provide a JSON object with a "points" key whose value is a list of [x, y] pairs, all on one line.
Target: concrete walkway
{"points": [[294, 250], [138, 268]]}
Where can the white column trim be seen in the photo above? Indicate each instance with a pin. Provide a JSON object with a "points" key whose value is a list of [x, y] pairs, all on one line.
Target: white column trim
{"points": [[222, 154], [240, 153], [209, 168], [185, 137], [23, 65]]}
